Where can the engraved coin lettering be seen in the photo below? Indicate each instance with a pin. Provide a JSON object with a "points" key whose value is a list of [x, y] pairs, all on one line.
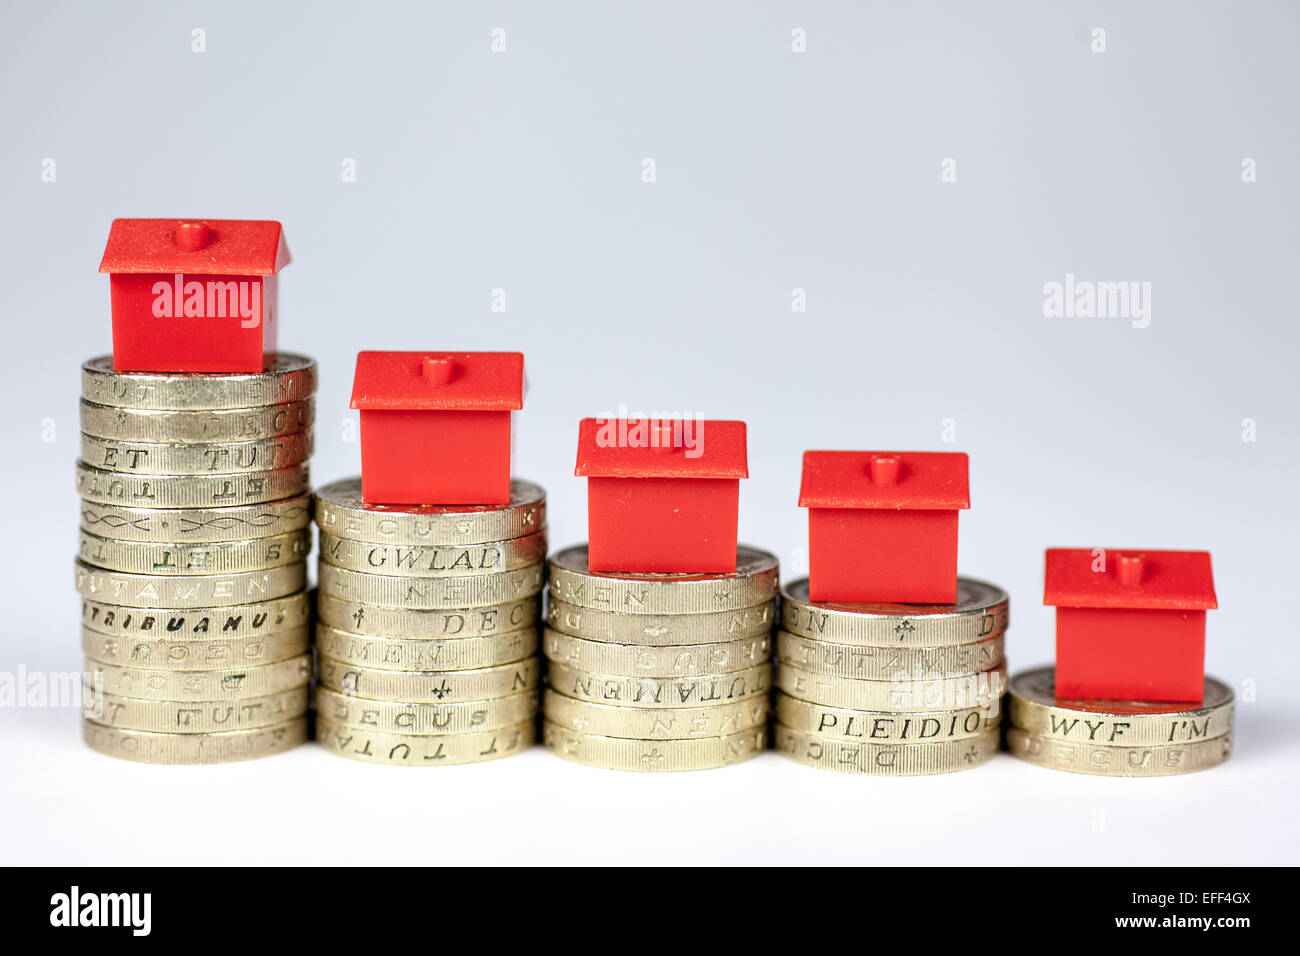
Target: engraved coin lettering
{"points": [[429, 686], [840, 723], [424, 750], [658, 723], [289, 378], [191, 717], [201, 685], [196, 426], [1153, 760], [191, 654], [397, 717], [982, 690], [1032, 705], [341, 512], [753, 582], [194, 748], [618, 753], [98, 486], [661, 691], [187, 591], [182, 558], [981, 613], [388, 590], [199, 623], [427, 623], [666, 661], [884, 759], [429, 561], [422, 654], [651, 630], [217, 458], [869, 662]]}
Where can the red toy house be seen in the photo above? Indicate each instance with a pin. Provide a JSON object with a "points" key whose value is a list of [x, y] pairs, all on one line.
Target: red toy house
{"points": [[193, 295], [662, 496], [882, 526], [1130, 625], [435, 426]]}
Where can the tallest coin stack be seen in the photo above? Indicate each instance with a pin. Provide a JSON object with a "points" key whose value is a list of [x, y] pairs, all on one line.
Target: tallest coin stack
{"points": [[195, 529]]}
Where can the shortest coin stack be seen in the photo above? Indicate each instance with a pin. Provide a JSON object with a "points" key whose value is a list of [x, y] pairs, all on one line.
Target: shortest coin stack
{"points": [[1116, 738], [659, 671], [195, 531], [890, 689], [427, 627]]}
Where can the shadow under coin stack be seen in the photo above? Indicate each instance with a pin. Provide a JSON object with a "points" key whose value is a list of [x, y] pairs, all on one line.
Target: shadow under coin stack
{"points": [[658, 672], [428, 627], [195, 530], [891, 688]]}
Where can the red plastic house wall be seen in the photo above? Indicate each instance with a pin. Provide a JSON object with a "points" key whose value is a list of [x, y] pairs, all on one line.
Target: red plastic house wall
{"points": [[1130, 625], [193, 295], [435, 426], [662, 496], [882, 526]]}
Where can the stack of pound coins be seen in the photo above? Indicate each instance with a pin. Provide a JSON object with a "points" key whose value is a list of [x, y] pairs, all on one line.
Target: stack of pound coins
{"points": [[890, 689], [1116, 738], [427, 631], [659, 671], [192, 565]]}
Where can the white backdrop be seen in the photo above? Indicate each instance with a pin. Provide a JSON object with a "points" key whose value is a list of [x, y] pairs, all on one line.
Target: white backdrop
{"points": [[919, 172]]}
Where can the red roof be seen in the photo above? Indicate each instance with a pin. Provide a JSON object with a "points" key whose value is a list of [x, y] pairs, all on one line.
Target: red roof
{"points": [[218, 247], [439, 381], [885, 480], [661, 448], [1133, 578]]}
